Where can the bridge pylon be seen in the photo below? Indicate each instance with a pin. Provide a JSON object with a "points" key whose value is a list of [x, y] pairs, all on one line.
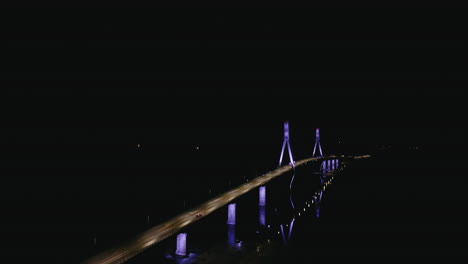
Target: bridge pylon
{"points": [[286, 142], [317, 144]]}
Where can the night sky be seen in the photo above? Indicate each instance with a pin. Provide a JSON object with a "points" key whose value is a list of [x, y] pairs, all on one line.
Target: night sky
{"points": [[81, 89]]}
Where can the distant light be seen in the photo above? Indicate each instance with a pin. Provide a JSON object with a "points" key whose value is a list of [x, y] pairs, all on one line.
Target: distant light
{"points": [[197, 147], [138, 145]]}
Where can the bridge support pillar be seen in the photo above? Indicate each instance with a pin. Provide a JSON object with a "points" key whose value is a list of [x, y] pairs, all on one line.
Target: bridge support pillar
{"points": [[262, 196], [231, 214], [181, 249], [324, 167]]}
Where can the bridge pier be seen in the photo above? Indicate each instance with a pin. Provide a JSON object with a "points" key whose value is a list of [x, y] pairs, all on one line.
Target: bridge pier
{"points": [[262, 196], [324, 167], [231, 214], [181, 249]]}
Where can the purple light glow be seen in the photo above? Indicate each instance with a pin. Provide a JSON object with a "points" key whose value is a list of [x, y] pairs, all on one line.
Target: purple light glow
{"points": [[181, 244], [231, 214], [282, 234], [317, 143], [324, 166], [317, 206], [286, 130], [262, 215], [291, 228], [231, 235], [262, 193], [286, 141]]}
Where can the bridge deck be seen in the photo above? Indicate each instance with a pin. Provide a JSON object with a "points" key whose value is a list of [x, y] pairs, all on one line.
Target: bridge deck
{"points": [[173, 226]]}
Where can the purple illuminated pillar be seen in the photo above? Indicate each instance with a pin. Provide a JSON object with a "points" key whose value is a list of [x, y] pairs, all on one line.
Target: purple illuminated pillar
{"points": [[231, 214], [261, 196], [261, 216], [329, 164], [333, 165], [181, 249]]}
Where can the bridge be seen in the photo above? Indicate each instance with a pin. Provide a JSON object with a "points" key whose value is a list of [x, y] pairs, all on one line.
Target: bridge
{"points": [[173, 226]]}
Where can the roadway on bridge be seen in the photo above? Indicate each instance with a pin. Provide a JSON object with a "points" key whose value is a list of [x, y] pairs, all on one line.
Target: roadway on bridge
{"points": [[173, 226]]}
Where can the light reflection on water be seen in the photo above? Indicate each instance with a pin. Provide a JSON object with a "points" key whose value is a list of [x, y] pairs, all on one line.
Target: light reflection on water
{"points": [[247, 235]]}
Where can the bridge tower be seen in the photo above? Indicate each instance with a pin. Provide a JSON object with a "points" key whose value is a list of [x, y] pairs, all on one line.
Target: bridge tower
{"points": [[286, 141], [317, 144]]}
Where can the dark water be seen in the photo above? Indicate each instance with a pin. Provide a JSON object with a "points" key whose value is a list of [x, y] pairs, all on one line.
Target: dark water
{"points": [[401, 202]]}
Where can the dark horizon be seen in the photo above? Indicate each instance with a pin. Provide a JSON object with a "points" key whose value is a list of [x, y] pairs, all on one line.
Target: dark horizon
{"points": [[113, 115]]}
